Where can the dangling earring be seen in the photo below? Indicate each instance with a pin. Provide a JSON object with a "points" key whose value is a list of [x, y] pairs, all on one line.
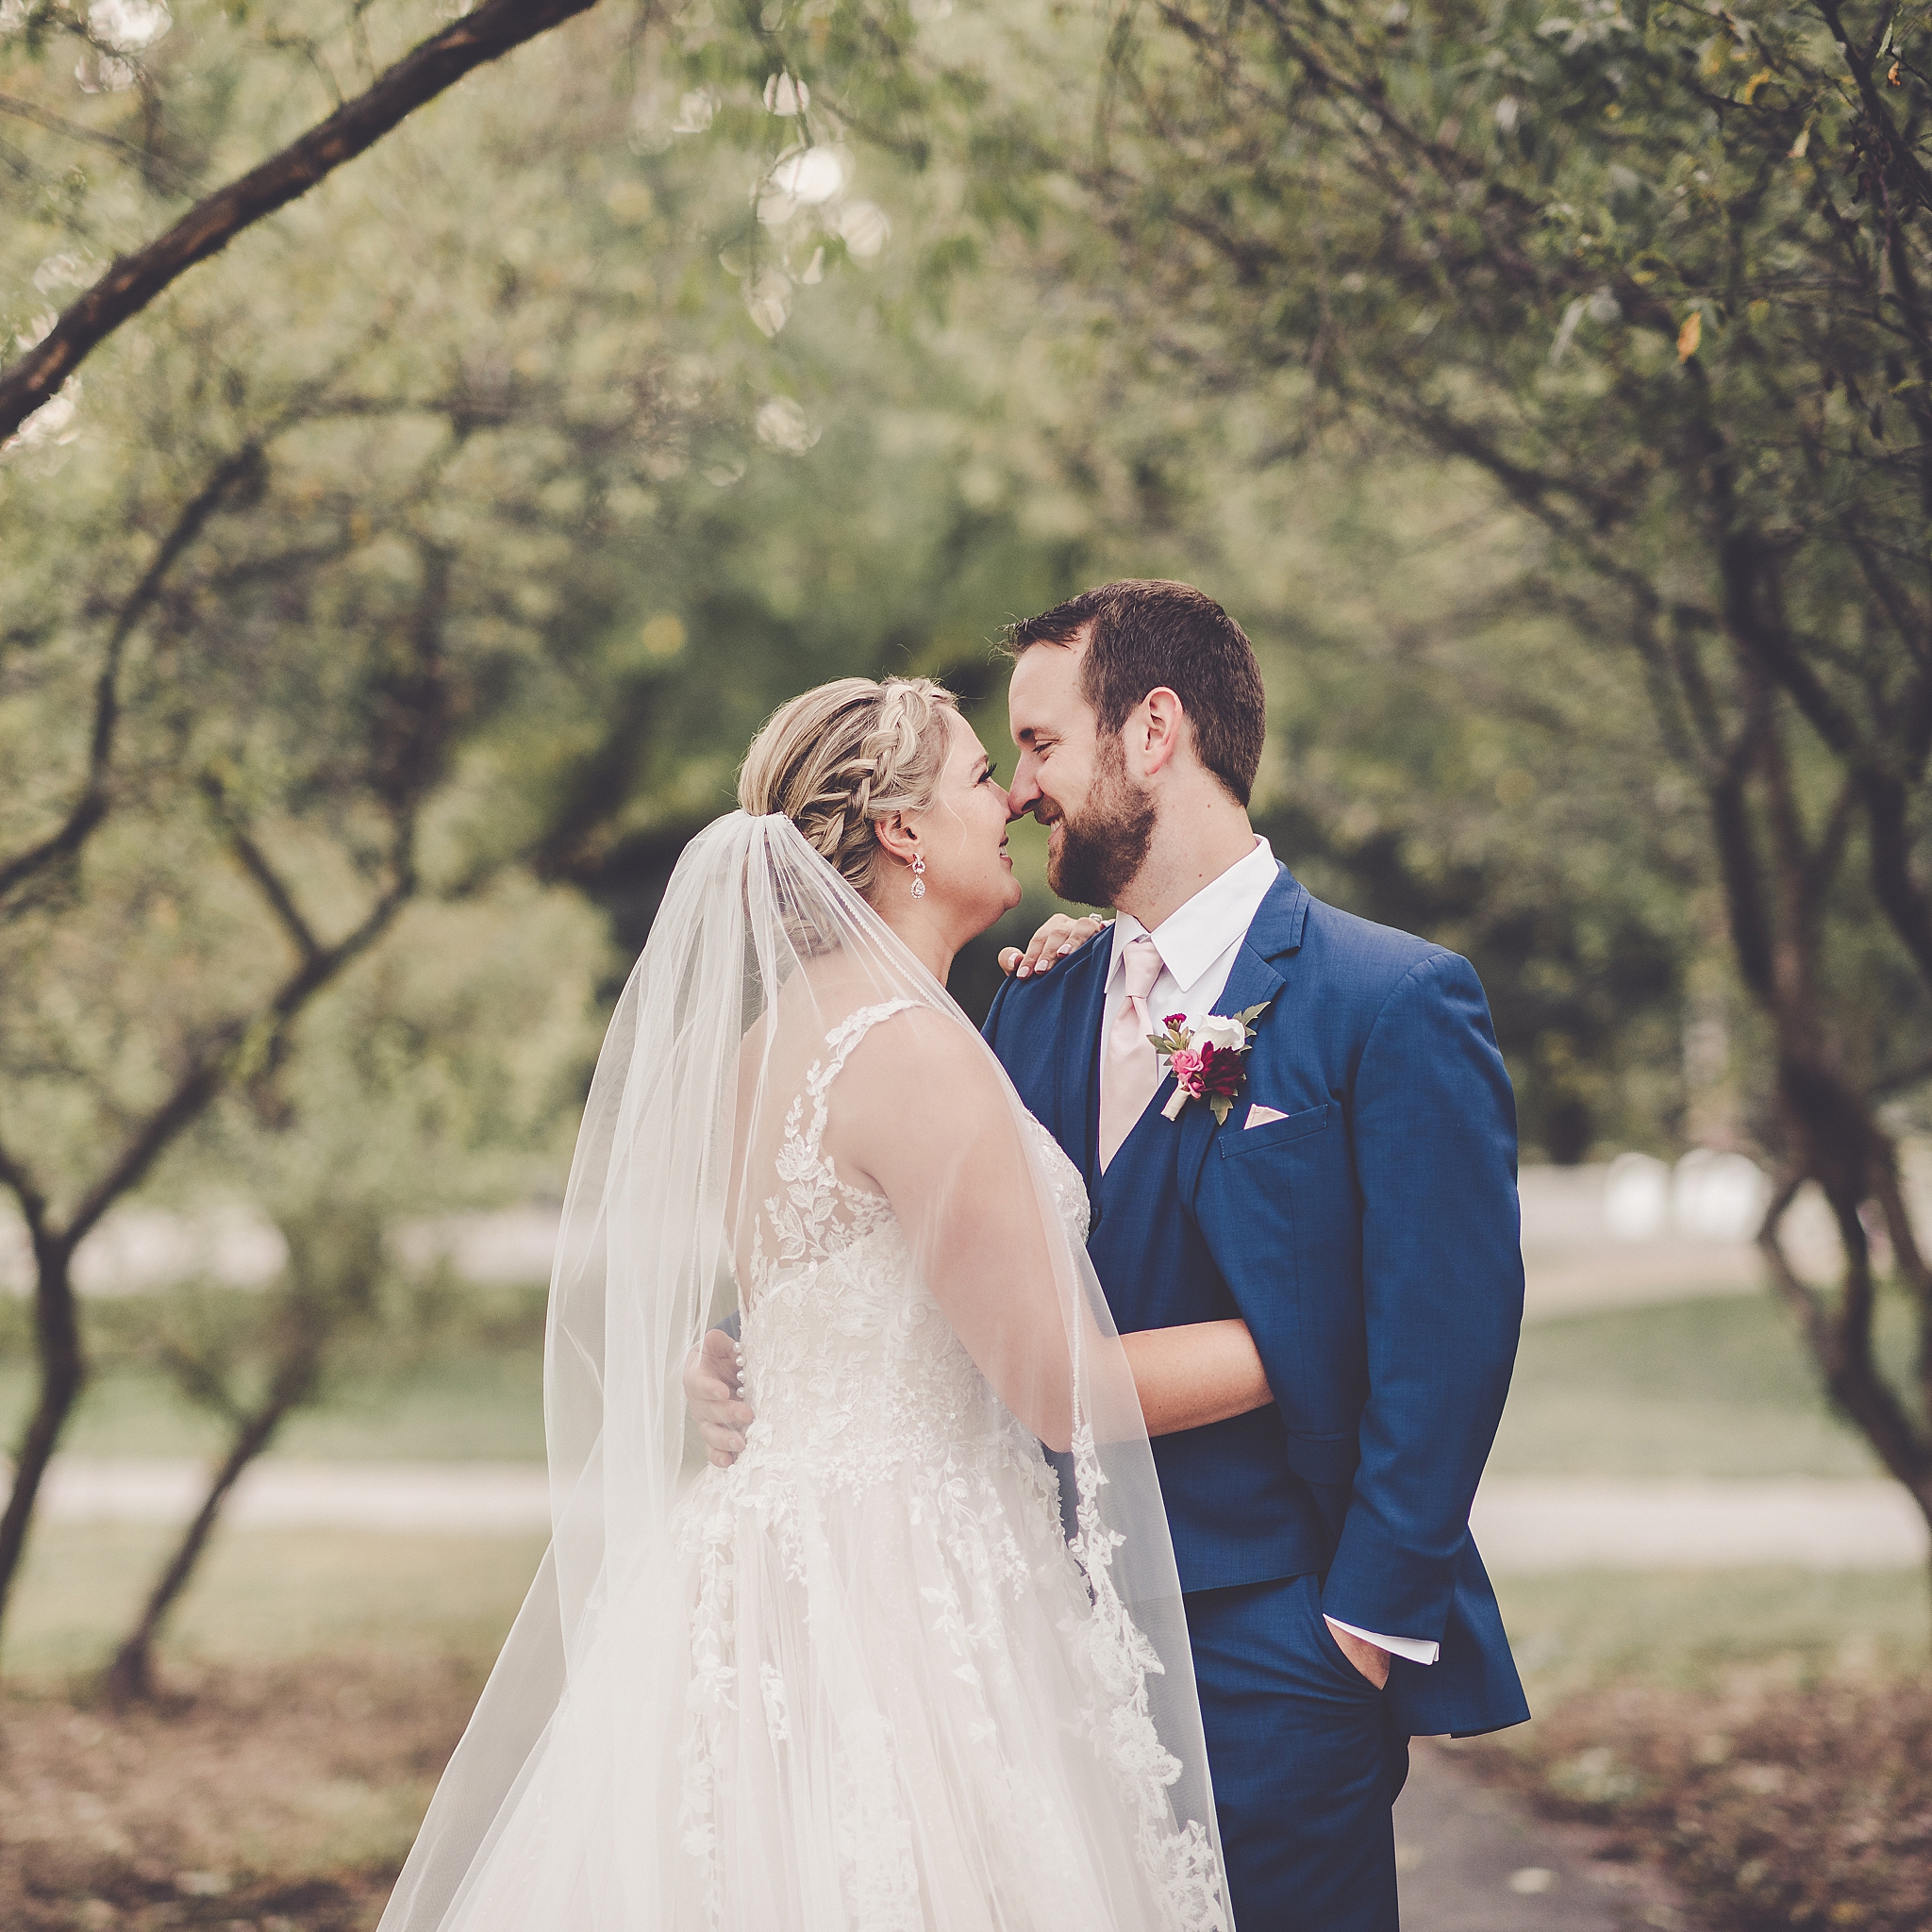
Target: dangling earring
{"points": [[918, 880]]}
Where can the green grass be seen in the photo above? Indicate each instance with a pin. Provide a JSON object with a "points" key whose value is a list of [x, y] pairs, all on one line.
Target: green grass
{"points": [[1716, 1388], [1694, 1629], [264, 1596], [468, 1403]]}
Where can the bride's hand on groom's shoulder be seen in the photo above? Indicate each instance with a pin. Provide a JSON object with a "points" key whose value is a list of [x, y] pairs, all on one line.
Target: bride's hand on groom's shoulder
{"points": [[710, 1387], [1059, 937]]}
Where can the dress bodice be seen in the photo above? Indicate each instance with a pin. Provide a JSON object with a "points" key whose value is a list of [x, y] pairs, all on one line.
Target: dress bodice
{"points": [[849, 1360]]}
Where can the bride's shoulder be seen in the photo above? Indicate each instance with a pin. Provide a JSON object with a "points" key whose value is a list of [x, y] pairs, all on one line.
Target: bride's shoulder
{"points": [[918, 1059], [910, 1034]]}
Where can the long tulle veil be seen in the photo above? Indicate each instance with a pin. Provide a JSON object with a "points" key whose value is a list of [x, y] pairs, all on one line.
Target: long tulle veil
{"points": [[559, 1806]]}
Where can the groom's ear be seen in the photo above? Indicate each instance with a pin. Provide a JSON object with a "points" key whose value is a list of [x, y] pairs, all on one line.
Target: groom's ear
{"points": [[1156, 730]]}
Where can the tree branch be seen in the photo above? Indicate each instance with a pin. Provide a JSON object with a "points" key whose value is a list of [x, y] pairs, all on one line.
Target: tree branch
{"points": [[132, 282], [260, 1037], [254, 862], [27, 1190], [1901, 1079], [129, 151], [242, 470]]}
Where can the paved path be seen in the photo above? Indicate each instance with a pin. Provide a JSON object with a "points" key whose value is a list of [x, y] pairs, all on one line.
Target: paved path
{"points": [[1525, 1525], [482, 1498], [1522, 1526], [1474, 1860]]}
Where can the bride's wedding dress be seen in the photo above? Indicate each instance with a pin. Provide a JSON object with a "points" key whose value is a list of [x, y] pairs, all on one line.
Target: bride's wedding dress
{"points": [[884, 1674], [910, 1706]]}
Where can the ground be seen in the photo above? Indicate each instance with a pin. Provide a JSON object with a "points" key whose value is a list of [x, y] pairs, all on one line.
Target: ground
{"points": [[1688, 1723], [279, 1797]]}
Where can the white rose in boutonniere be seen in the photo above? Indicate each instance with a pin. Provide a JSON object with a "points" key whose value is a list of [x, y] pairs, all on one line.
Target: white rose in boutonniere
{"points": [[1223, 1032]]}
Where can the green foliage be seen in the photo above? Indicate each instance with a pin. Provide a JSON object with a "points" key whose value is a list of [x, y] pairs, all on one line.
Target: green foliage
{"points": [[1655, 273]]}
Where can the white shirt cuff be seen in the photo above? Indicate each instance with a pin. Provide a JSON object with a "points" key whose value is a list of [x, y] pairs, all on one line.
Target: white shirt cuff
{"points": [[1416, 1649]]}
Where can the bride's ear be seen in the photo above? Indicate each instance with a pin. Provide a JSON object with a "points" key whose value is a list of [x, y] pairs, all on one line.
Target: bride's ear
{"points": [[898, 840]]}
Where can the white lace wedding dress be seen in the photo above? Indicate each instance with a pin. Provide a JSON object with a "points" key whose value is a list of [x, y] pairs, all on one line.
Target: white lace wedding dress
{"points": [[910, 1706], [861, 1681]]}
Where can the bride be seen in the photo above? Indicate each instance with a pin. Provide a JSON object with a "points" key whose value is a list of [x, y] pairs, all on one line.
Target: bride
{"points": [[896, 1668]]}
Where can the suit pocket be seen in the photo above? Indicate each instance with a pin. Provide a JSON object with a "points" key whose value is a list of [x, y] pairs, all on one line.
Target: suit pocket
{"points": [[1332, 1653], [1296, 1126]]}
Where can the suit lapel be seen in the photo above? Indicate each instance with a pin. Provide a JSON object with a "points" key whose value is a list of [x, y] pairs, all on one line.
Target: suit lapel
{"points": [[1077, 1052], [1259, 974]]}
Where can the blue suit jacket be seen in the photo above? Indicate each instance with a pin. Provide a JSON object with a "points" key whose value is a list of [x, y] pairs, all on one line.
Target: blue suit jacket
{"points": [[1369, 1241]]}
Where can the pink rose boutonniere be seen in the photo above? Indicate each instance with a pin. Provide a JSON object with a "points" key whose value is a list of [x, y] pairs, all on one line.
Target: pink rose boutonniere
{"points": [[1212, 1070]]}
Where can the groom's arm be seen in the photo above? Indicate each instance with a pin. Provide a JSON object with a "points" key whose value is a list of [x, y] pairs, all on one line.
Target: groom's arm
{"points": [[1433, 1122]]}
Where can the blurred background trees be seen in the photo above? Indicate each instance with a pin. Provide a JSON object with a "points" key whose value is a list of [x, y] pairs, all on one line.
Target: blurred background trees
{"points": [[442, 1074], [1656, 276], [449, 534]]}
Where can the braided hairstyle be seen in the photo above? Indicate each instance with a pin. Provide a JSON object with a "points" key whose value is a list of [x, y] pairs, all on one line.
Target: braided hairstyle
{"points": [[837, 759]]}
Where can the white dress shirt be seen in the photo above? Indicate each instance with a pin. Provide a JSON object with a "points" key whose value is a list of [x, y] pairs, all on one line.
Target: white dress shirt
{"points": [[1197, 943]]}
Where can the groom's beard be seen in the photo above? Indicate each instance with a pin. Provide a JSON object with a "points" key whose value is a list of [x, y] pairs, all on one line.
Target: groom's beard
{"points": [[1100, 851]]}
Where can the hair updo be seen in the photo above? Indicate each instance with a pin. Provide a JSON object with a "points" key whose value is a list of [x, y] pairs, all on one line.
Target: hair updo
{"points": [[837, 759]]}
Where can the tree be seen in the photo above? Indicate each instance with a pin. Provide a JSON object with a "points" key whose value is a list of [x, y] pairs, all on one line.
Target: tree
{"points": [[267, 592], [341, 592], [484, 33], [442, 1072], [1659, 275]]}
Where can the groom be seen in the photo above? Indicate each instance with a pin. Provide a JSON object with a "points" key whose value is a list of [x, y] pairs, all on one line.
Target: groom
{"points": [[1358, 1209]]}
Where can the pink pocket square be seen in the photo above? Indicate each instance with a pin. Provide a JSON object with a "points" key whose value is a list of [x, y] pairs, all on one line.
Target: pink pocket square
{"points": [[1260, 1116]]}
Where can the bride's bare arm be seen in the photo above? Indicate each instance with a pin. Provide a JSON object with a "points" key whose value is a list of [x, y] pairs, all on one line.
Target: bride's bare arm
{"points": [[1201, 1372], [921, 1112]]}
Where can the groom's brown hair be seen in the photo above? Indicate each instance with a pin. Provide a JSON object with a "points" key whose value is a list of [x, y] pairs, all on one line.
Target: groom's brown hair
{"points": [[1145, 632]]}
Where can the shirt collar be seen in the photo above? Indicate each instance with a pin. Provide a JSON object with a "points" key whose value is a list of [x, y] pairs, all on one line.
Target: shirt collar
{"points": [[1193, 936]]}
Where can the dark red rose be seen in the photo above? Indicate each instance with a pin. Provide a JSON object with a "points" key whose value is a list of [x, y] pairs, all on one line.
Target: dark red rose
{"points": [[1221, 1072]]}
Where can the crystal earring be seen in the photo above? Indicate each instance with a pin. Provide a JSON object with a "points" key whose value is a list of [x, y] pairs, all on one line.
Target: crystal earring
{"points": [[918, 880]]}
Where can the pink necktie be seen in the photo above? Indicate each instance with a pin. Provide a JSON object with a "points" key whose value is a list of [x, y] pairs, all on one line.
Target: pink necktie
{"points": [[1129, 1068]]}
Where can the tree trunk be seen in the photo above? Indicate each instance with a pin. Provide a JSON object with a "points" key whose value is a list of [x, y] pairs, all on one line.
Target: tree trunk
{"points": [[62, 1375], [130, 1676]]}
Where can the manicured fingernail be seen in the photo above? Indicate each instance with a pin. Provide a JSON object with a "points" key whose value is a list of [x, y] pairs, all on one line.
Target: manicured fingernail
{"points": [[1022, 971]]}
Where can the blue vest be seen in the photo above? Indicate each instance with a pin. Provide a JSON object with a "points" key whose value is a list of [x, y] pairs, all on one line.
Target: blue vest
{"points": [[1370, 1241]]}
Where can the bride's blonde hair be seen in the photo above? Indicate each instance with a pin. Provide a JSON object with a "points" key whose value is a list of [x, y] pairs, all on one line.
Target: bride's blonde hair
{"points": [[837, 759]]}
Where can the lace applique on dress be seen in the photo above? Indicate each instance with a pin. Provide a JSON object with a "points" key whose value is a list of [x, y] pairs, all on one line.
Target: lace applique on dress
{"points": [[805, 1218]]}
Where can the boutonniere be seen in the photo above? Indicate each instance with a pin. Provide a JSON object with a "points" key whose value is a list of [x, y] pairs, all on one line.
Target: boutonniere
{"points": [[1212, 1071]]}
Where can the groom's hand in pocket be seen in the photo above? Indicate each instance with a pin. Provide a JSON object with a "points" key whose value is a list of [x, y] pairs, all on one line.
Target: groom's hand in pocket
{"points": [[1369, 1659], [712, 1389]]}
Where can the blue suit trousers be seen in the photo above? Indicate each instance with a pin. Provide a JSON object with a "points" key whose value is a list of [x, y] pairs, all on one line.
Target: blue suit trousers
{"points": [[1308, 1757]]}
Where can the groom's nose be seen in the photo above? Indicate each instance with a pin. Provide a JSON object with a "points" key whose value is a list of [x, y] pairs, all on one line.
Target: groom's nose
{"points": [[1025, 792]]}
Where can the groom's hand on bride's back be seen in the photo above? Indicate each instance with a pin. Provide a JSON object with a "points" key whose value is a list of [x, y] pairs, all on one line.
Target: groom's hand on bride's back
{"points": [[711, 1383], [1059, 937]]}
